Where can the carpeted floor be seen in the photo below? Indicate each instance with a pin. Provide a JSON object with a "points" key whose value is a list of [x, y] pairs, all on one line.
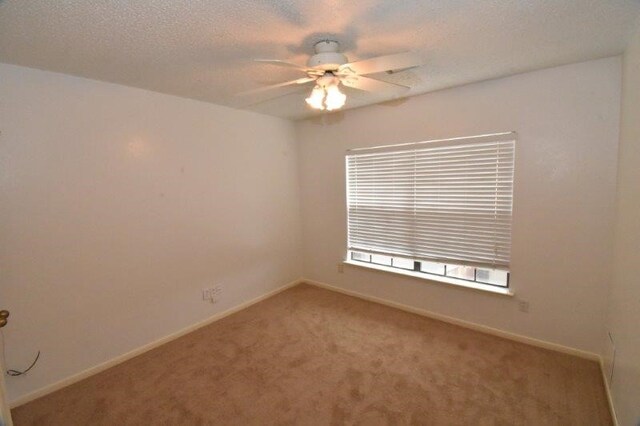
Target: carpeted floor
{"points": [[309, 356]]}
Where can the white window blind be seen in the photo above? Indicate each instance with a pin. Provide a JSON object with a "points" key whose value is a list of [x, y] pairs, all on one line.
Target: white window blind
{"points": [[445, 201]]}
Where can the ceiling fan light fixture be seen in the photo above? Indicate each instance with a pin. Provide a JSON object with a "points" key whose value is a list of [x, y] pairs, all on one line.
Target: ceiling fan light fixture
{"points": [[316, 98], [327, 69], [335, 98]]}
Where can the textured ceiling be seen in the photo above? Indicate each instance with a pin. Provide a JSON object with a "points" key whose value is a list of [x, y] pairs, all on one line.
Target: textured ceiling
{"points": [[203, 49]]}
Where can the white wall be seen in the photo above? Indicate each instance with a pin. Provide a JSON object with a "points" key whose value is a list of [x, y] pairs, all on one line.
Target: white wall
{"points": [[624, 305], [119, 205], [567, 119]]}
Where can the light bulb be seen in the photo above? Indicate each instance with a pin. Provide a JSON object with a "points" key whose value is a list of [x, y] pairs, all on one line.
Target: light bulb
{"points": [[315, 99], [335, 98]]}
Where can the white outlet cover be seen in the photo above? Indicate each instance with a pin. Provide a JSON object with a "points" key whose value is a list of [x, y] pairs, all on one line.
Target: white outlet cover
{"points": [[211, 294]]}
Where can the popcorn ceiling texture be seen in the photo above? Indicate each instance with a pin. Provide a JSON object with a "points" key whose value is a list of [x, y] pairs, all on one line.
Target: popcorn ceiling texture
{"points": [[204, 49]]}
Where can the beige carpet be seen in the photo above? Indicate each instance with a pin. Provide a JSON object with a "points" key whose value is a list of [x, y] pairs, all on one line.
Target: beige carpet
{"points": [[313, 357]]}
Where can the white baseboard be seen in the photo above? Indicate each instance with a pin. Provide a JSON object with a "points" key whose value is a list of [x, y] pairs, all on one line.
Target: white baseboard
{"points": [[607, 389], [462, 323], [142, 349]]}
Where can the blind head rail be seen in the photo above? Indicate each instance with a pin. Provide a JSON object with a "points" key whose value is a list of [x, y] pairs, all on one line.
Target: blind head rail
{"points": [[492, 137]]}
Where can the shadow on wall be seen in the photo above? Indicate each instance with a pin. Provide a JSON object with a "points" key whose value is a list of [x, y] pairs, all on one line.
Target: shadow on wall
{"points": [[328, 118], [394, 102]]}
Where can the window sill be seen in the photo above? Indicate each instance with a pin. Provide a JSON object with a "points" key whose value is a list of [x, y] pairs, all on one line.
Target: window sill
{"points": [[435, 279]]}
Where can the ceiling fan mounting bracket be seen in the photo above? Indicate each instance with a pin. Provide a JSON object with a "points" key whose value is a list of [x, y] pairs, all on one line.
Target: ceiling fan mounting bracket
{"points": [[327, 56], [326, 46]]}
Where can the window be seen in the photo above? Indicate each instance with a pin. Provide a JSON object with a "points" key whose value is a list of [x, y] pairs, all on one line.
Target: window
{"points": [[441, 208]]}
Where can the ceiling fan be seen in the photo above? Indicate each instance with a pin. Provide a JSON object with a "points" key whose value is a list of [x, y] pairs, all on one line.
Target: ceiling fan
{"points": [[328, 69]]}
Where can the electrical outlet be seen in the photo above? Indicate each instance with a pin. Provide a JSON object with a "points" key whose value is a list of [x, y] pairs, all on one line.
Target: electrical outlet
{"points": [[523, 306], [212, 294], [206, 294]]}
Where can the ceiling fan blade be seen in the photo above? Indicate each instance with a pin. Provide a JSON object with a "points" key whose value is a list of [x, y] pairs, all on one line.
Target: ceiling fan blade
{"points": [[280, 63], [303, 80], [261, 94], [372, 85], [398, 61]]}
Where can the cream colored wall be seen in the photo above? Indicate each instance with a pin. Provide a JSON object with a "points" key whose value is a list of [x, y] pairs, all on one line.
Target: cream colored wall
{"points": [[567, 119], [624, 305], [119, 205]]}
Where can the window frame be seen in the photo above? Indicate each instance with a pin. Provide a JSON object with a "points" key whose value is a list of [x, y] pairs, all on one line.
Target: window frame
{"points": [[417, 271], [417, 268]]}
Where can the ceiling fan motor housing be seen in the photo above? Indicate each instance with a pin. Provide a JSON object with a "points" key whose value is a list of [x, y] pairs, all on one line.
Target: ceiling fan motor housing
{"points": [[327, 57]]}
